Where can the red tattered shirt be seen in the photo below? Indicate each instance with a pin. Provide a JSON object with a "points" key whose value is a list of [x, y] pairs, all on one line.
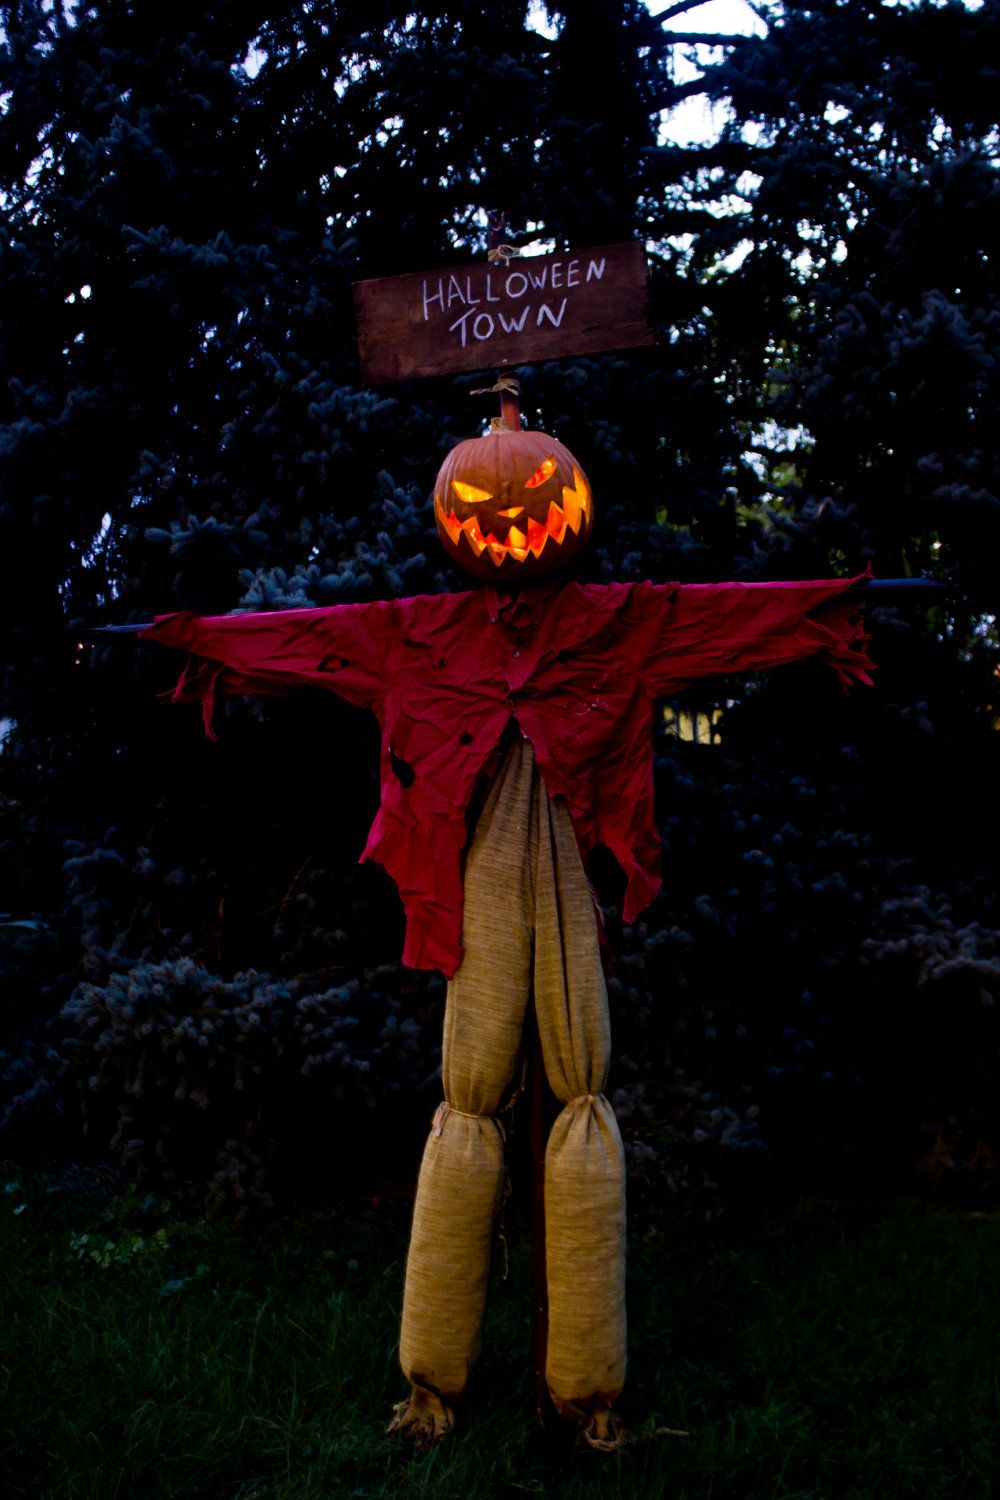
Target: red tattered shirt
{"points": [[578, 666]]}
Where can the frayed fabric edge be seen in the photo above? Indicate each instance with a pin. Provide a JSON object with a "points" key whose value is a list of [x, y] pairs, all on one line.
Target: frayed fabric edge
{"points": [[423, 1419], [605, 1432], [602, 1430]]}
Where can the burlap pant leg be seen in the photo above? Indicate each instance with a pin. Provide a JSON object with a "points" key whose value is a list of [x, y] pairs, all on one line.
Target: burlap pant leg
{"points": [[528, 915], [584, 1159], [461, 1176]]}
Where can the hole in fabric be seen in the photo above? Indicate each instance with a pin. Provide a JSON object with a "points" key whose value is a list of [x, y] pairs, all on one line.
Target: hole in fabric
{"points": [[465, 738], [402, 770]]}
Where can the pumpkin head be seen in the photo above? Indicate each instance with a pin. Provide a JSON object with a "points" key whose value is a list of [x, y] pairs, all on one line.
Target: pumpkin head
{"points": [[512, 505]]}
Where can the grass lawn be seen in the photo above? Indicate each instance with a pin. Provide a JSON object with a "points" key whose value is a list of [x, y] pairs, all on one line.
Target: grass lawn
{"points": [[821, 1350]]}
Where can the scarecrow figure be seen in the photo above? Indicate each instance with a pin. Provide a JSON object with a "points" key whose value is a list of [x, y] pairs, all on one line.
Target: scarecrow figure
{"points": [[531, 700]]}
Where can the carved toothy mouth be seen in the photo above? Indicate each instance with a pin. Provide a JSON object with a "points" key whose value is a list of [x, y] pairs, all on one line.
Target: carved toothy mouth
{"points": [[522, 541]]}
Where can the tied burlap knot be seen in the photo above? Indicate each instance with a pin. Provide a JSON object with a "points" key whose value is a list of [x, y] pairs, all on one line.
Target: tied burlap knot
{"points": [[445, 1109]]}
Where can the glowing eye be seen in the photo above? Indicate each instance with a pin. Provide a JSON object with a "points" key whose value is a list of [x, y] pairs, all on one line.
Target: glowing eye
{"points": [[469, 493], [544, 471]]}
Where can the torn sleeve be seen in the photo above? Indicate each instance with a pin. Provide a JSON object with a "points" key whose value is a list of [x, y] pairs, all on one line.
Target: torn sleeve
{"points": [[693, 630], [348, 648]]}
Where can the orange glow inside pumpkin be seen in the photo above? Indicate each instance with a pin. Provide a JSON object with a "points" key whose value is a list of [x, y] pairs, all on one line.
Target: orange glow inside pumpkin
{"points": [[573, 512], [544, 471], [469, 493]]}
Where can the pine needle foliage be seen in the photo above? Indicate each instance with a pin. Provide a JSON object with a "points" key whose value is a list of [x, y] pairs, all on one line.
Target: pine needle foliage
{"points": [[188, 193]]}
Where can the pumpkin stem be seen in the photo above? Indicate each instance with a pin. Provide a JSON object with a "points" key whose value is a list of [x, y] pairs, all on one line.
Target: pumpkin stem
{"points": [[510, 407]]}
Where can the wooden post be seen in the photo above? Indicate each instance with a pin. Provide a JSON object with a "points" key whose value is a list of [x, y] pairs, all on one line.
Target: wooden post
{"points": [[496, 238], [536, 1148], [510, 412]]}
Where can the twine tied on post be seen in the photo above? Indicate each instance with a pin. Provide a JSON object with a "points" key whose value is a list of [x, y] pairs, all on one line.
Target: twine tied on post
{"points": [[501, 254], [504, 383]]}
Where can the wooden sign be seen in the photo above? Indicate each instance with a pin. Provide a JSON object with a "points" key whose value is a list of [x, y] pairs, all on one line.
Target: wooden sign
{"points": [[475, 317]]}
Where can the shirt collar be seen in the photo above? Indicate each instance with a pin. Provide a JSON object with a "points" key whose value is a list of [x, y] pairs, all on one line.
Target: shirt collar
{"points": [[512, 605]]}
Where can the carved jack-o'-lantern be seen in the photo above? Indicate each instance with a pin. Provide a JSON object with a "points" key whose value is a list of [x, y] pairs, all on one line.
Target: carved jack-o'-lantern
{"points": [[512, 505]]}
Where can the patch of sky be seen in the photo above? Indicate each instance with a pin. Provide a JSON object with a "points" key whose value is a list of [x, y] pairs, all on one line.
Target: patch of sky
{"points": [[388, 128], [770, 445], [44, 161], [254, 59], [98, 540], [913, 4], [539, 20], [468, 232], [695, 120]]}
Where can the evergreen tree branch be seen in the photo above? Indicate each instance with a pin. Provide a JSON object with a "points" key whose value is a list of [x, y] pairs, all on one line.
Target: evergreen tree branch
{"points": [[679, 8]]}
